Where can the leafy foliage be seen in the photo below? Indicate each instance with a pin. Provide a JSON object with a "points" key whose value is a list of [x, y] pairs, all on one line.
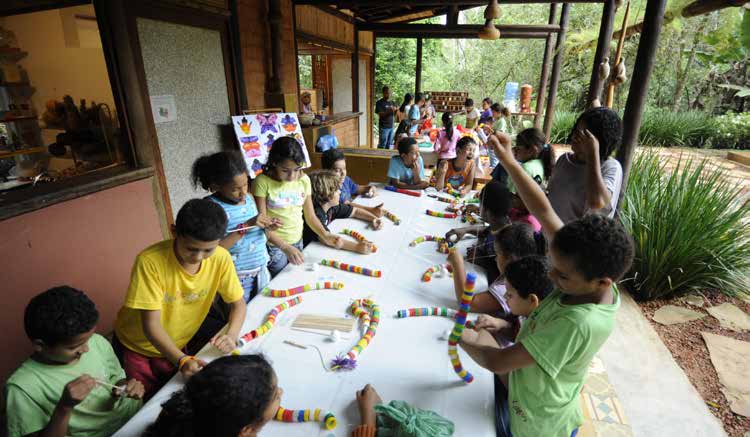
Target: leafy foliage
{"points": [[690, 229], [732, 131], [663, 128]]}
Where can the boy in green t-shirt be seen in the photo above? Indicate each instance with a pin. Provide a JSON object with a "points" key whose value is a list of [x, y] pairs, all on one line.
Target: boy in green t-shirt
{"points": [[72, 385], [545, 369]]}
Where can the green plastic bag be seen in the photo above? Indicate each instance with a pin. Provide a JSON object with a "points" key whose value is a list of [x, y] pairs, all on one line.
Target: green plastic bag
{"points": [[399, 419]]}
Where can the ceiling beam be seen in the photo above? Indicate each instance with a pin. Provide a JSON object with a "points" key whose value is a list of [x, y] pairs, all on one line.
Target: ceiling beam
{"points": [[437, 29], [348, 4], [462, 35]]}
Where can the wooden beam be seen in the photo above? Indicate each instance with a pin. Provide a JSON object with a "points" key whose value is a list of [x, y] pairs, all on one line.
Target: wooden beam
{"points": [[372, 88], [316, 40], [418, 73], [602, 49], [349, 4], [336, 13], [549, 114], [452, 16], [644, 64], [463, 35], [436, 29], [701, 7], [274, 18], [544, 76], [355, 76]]}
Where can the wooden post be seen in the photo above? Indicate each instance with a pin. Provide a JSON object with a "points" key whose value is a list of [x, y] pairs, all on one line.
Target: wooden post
{"points": [[274, 18], [544, 77], [451, 17], [418, 74], [373, 90], [644, 63], [549, 114], [355, 73], [602, 49]]}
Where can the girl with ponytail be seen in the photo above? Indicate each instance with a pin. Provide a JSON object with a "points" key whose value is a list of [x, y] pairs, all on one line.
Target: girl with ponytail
{"points": [[445, 143]]}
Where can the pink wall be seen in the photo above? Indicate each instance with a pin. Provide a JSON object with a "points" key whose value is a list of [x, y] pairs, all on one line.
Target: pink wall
{"points": [[88, 243]]}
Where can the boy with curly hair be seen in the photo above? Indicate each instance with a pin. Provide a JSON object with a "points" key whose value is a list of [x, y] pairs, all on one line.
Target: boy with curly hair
{"points": [[64, 388], [545, 369], [326, 192], [588, 179]]}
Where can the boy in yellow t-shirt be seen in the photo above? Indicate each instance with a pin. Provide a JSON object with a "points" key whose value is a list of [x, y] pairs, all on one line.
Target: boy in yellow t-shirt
{"points": [[172, 287]]}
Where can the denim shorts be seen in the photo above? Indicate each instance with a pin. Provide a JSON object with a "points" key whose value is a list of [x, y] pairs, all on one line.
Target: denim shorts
{"points": [[278, 258]]}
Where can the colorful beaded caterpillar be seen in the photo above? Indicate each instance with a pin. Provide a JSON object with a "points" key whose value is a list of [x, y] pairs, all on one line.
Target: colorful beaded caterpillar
{"points": [[351, 268], [427, 275], [402, 191], [392, 217], [469, 218], [359, 237], [458, 328], [441, 199], [430, 311], [368, 313], [443, 245], [270, 321], [302, 289], [327, 418], [452, 191], [440, 214]]}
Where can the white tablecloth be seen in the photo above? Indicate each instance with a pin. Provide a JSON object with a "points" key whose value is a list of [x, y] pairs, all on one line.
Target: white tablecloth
{"points": [[406, 361]]}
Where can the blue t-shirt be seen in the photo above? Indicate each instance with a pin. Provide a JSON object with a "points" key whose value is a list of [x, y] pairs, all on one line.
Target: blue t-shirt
{"points": [[397, 170], [348, 190], [414, 116], [250, 251]]}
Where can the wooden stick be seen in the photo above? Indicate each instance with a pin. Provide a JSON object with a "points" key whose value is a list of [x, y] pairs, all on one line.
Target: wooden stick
{"points": [[291, 343], [98, 381], [618, 56]]}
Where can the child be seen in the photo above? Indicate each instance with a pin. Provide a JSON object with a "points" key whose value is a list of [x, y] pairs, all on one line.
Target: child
{"points": [[325, 193], [283, 192], [527, 282], [172, 286], [334, 159], [493, 209], [511, 243], [232, 396], [60, 389], [500, 123], [402, 116], [225, 175], [471, 113], [486, 116], [534, 154], [549, 361], [588, 179], [445, 143], [407, 170], [415, 118], [428, 113], [459, 171]]}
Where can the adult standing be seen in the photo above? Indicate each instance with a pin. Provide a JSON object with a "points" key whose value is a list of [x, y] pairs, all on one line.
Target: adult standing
{"points": [[386, 110]]}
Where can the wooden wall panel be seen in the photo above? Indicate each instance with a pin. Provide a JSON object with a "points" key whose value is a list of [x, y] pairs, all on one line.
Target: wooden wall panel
{"points": [[366, 42], [313, 21]]}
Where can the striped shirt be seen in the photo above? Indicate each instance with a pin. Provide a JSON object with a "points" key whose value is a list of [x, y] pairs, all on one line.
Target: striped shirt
{"points": [[250, 251]]}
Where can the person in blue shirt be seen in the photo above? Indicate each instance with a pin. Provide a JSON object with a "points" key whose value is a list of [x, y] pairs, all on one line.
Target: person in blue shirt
{"points": [[334, 159], [415, 114], [407, 169], [225, 175]]}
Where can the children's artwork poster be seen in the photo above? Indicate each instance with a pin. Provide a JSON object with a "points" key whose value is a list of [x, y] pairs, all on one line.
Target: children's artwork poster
{"points": [[257, 132], [163, 108]]}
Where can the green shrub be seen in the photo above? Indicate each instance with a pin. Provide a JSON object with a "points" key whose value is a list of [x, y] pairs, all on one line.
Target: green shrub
{"points": [[664, 128], [691, 232], [562, 125], [732, 131]]}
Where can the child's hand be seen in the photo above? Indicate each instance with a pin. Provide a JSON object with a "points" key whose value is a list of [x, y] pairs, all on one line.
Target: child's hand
{"points": [[502, 146], [76, 391], [131, 388], [492, 324], [443, 167], [261, 220], [455, 235], [191, 367], [276, 223], [378, 210], [469, 336], [364, 247], [370, 192], [589, 145], [293, 254], [455, 258], [224, 343], [332, 240], [376, 224], [367, 398]]}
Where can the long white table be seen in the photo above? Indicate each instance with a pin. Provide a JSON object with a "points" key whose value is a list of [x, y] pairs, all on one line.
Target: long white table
{"points": [[407, 360]]}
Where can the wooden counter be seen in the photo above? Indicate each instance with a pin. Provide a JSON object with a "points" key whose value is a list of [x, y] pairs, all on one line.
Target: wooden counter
{"points": [[344, 125]]}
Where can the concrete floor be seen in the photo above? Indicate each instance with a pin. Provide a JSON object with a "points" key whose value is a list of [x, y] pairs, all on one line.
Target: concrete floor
{"points": [[658, 399]]}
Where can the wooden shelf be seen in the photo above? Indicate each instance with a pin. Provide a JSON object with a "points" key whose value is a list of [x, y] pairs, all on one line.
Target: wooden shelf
{"points": [[33, 150]]}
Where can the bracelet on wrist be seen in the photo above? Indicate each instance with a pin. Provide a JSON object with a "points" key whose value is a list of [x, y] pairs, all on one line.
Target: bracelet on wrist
{"points": [[184, 359]]}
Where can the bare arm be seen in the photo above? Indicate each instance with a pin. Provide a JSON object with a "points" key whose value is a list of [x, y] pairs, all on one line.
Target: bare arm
{"points": [[597, 194], [420, 185], [155, 333], [459, 272], [230, 240], [442, 171], [531, 194], [314, 223], [273, 238], [500, 361], [469, 182], [485, 303]]}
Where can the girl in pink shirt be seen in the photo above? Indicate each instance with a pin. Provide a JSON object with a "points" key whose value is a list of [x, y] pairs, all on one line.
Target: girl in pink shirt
{"points": [[445, 144]]}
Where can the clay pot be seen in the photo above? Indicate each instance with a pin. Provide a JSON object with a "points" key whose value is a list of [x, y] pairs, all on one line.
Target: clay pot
{"points": [[492, 12], [489, 31]]}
